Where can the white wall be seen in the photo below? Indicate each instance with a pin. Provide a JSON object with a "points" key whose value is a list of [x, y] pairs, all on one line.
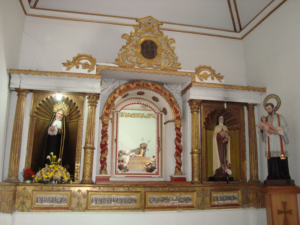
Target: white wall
{"points": [[47, 43], [205, 217], [11, 28], [272, 56]]}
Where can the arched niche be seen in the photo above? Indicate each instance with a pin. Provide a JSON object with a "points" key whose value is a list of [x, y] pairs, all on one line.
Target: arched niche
{"points": [[156, 95], [137, 122], [234, 120], [41, 113]]}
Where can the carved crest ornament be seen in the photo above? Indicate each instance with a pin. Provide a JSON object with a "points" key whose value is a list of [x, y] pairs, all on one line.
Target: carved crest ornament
{"points": [[147, 46]]}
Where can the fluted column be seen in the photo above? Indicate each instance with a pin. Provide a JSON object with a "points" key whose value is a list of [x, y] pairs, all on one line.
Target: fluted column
{"points": [[195, 106], [252, 145], [89, 139], [15, 149]]}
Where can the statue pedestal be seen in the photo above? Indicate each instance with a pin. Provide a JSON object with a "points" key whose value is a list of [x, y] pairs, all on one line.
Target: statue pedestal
{"points": [[138, 163], [281, 205]]}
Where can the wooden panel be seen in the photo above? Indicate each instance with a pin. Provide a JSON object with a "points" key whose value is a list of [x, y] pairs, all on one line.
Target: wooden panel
{"points": [[281, 205]]}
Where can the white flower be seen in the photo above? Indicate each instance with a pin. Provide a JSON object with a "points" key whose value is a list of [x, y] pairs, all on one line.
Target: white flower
{"points": [[48, 157], [228, 171], [51, 153], [59, 160]]}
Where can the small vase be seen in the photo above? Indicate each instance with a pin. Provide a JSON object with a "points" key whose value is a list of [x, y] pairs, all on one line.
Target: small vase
{"points": [[27, 181]]}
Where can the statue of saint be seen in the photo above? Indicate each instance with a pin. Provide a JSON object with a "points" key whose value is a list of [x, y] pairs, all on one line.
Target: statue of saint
{"points": [[221, 149], [138, 152], [275, 145], [56, 134]]}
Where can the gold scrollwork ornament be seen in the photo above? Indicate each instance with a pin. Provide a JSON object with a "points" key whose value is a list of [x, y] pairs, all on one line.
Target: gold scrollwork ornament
{"points": [[204, 76], [77, 61], [148, 29]]}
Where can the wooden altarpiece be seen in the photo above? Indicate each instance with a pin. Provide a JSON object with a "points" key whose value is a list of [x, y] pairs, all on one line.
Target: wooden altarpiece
{"points": [[148, 54]]}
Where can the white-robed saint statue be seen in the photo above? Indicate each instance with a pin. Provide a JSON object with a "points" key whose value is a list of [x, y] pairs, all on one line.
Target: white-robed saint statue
{"points": [[276, 146], [221, 149]]}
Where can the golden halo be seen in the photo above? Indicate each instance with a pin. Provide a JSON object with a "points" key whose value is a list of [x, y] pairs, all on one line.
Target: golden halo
{"points": [[63, 106], [276, 97]]}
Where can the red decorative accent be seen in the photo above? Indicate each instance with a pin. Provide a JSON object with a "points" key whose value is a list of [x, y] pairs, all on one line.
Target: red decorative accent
{"points": [[100, 178], [178, 179], [138, 103], [140, 85], [178, 150], [103, 146]]}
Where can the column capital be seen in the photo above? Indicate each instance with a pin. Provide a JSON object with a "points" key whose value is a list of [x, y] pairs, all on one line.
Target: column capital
{"points": [[194, 105], [21, 91], [251, 106], [93, 99]]}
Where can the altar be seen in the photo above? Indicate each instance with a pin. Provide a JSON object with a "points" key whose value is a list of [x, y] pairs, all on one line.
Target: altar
{"points": [[137, 134]]}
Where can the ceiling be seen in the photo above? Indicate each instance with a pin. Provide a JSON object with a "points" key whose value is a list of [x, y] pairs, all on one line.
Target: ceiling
{"points": [[225, 15]]}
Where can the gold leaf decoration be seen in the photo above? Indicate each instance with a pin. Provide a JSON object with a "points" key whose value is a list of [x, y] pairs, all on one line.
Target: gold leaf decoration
{"points": [[77, 61], [207, 72], [148, 30]]}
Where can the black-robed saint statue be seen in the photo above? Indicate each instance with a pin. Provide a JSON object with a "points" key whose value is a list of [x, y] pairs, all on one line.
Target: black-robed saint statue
{"points": [[55, 135]]}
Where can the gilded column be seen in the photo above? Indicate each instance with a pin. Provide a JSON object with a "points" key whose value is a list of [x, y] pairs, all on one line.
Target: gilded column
{"points": [[15, 149], [252, 145], [89, 139], [195, 106]]}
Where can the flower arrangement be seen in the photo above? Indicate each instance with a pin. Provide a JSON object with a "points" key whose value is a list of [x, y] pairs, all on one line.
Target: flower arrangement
{"points": [[53, 173], [122, 166], [28, 174], [151, 166]]}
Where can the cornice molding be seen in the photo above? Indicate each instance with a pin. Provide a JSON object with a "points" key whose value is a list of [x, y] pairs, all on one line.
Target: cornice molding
{"points": [[224, 86], [55, 74]]}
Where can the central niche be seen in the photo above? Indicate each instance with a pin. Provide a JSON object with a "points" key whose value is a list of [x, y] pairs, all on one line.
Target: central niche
{"points": [[137, 147]]}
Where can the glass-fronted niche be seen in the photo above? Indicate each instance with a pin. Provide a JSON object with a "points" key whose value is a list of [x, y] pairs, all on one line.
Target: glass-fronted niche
{"points": [[137, 142]]}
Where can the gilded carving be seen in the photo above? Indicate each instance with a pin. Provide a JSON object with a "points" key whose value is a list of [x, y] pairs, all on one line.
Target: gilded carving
{"points": [[140, 70], [55, 74], [195, 107], [7, 199], [89, 139], [201, 72], [148, 29], [41, 99], [137, 115], [252, 145], [139, 197], [15, 148], [76, 61], [131, 86]]}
